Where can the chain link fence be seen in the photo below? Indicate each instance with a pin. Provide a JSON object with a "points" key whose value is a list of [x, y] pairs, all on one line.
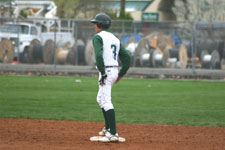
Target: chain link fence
{"points": [[151, 44]]}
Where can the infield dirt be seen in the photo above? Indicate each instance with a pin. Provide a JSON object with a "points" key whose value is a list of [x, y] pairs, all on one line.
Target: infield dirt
{"points": [[27, 134]]}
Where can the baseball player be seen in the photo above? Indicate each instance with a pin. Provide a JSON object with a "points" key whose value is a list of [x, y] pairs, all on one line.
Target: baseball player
{"points": [[107, 51]]}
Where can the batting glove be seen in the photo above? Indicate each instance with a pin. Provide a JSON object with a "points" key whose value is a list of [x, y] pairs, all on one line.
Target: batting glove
{"points": [[102, 80]]}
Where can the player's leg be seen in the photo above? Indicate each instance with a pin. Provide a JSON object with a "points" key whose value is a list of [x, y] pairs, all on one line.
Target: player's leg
{"points": [[99, 101], [109, 108], [112, 75], [112, 135]]}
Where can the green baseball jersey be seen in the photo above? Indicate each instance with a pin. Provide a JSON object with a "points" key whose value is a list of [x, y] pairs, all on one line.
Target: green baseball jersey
{"points": [[107, 51]]}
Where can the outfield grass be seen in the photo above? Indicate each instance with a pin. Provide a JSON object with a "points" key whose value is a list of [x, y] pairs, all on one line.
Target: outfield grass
{"points": [[167, 102]]}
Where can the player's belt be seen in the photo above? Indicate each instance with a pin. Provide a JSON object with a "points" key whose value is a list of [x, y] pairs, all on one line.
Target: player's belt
{"points": [[111, 66]]}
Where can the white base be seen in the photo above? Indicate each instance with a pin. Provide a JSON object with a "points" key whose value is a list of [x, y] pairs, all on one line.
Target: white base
{"points": [[96, 139]]}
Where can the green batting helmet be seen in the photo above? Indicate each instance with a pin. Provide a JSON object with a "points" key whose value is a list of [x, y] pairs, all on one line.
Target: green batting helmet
{"points": [[102, 20]]}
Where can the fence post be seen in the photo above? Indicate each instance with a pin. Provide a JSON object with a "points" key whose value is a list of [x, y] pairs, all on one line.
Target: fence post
{"points": [[55, 47], [193, 47], [135, 29], [76, 51], [135, 33], [123, 27], [18, 45]]}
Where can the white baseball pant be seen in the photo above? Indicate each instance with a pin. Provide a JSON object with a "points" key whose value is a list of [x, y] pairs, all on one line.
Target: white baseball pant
{"points": [[104, 92]]}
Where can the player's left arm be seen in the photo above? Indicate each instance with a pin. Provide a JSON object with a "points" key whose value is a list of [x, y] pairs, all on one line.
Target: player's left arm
{"points": [[125, 59]]}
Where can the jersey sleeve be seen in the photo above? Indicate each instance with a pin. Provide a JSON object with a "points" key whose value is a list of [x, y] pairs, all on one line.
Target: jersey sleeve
{"points": [[125, 59], [98, 47]]}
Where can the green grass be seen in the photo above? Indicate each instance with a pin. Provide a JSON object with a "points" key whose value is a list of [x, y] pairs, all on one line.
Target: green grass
{"points": [[167, 102]]}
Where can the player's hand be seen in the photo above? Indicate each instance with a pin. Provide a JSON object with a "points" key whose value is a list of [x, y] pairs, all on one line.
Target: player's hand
{"points": [[102, 80], [118, 79]]}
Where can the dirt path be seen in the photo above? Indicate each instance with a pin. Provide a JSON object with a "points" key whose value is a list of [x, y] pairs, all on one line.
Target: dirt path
{"points": [[22, 134]]}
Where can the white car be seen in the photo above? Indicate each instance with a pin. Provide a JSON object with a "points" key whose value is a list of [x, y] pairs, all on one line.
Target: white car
{"points": [[21, 35]]}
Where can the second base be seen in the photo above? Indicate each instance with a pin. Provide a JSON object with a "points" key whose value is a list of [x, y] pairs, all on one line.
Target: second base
{"points": [[96, 139]]}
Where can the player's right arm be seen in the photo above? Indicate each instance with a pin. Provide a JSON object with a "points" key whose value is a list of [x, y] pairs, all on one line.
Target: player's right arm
{"points": [[98, 47]]}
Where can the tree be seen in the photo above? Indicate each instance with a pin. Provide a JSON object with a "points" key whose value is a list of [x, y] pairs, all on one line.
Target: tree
{"points": [[86, 9], [78, 9], [122, 8], [200, 10]]}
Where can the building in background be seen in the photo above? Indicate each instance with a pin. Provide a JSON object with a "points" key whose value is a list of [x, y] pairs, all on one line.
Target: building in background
{"points": [[146, 10]]}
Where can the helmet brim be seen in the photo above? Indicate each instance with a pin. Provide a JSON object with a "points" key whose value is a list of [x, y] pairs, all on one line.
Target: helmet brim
{"points": [[94, 21]]}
